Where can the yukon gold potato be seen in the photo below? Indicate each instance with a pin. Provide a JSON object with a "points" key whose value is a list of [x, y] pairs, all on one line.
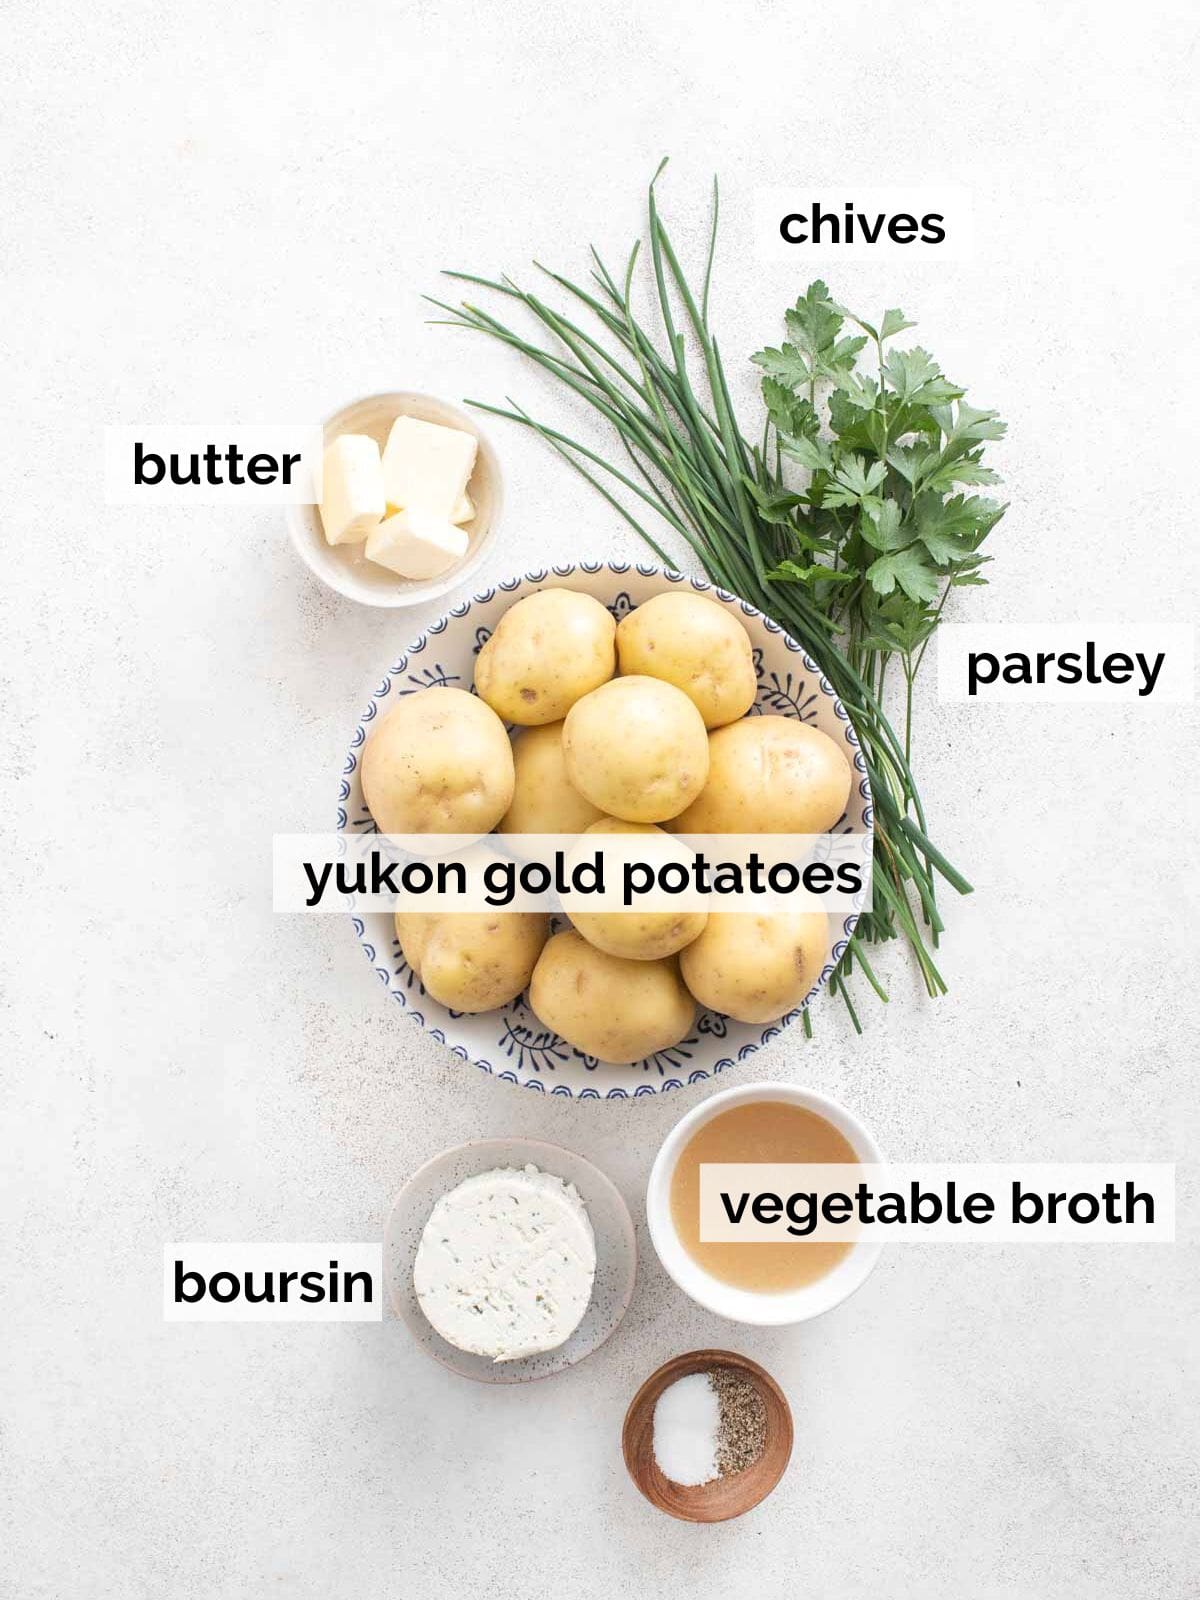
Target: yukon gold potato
{"points": [[548, 651], [637, 748], [612, 1009], [638, 935], [769, 775], [472, 961], [544, 799], [698, 645], [754, 968], [438, 762]]}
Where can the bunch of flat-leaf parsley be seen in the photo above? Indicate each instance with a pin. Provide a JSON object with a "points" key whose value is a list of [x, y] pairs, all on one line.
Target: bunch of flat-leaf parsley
{"points": [[883, 528]]}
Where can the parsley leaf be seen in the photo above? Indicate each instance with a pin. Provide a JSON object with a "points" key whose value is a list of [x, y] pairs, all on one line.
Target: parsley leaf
{"points": [[854, 480], [814, 352], [789, 413], [787, 364], [967, 470], [910, 570], [914, 375], [861, 392], [910, 461], [792, 572], [813, 323], [774, 506], [809, 452], [964, 425], [894, 321], [882, 527]]}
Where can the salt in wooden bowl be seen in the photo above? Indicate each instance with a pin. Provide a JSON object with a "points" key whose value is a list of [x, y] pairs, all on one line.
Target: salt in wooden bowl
{"points": [[723, 1498]]}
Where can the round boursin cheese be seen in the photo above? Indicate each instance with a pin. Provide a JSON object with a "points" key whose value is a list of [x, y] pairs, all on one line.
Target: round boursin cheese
{"points": [[506, 1263]]}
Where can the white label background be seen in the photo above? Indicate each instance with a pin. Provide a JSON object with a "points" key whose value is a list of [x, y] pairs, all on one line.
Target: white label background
{"points": [[989, 1178], [210, 1258], [292, 888], [193, 438], [947, 201], [1173, 686]]}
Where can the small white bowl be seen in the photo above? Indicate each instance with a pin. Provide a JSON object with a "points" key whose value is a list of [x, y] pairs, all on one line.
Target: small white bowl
{"points": [[344, 567], [747, 1305]]}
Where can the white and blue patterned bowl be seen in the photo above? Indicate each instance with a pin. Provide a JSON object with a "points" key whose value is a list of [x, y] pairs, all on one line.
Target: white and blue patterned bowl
{"points": [[511, 1043]]}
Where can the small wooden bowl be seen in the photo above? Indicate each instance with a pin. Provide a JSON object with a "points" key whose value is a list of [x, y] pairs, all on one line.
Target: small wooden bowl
{"points": [[723, 1498]]}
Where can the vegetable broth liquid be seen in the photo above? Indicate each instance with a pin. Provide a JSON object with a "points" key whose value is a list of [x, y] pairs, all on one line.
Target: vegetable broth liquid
{"points": [[761, 1130]]}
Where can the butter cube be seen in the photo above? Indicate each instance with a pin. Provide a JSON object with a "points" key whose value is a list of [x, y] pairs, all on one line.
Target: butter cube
{"points": [[352, 495], [427, 467], [417, 544], [464, 511]]}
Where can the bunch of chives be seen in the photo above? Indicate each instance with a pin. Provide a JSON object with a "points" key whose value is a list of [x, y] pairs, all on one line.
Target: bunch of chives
{"points": [[687, 460]]}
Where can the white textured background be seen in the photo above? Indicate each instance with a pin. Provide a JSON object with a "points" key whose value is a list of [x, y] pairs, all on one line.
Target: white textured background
{"points": [[230, 211]]}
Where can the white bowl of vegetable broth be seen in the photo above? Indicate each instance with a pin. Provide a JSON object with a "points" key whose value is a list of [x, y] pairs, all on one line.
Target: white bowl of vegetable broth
{"points": [[766, 1283]]}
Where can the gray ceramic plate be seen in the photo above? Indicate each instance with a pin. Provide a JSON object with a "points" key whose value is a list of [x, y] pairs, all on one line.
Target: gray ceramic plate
{"points": [[616, 1252]]}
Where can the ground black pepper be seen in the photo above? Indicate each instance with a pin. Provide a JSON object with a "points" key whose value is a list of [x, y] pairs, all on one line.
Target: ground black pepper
{"points": [[743, 1428]]}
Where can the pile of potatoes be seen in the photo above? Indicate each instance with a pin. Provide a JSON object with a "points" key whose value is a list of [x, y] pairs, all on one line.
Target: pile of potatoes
{"points": [[638, 728]]}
